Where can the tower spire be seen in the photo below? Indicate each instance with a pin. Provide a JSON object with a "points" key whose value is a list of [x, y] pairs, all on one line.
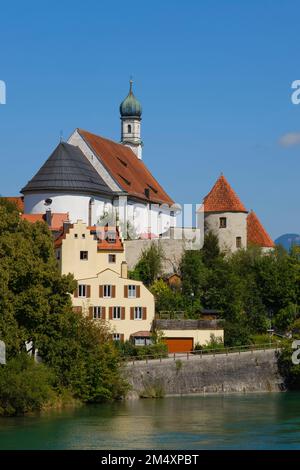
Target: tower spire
{"points": [[131, 115]]}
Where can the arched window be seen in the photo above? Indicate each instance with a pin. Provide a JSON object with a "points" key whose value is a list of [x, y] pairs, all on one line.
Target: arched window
{"points": [[129, 128]]}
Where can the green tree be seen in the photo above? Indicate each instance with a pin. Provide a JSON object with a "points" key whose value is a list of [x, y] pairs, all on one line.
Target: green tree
{"points": [[35, 306], [193, 273], [210, 250], [149, 266], [165, 298]]}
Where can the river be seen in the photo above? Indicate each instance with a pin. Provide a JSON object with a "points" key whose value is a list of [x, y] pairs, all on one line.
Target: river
{"points": [[258, 421]]}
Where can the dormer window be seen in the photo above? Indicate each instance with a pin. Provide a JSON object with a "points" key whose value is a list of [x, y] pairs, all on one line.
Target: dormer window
{"points": [[111, 237]]}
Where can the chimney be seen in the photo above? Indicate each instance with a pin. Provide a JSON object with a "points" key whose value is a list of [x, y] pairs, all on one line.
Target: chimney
{"points": [[48, 217], [66, 225], [124, 270]]}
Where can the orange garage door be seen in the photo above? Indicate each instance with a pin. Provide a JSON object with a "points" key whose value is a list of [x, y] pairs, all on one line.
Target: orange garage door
{"points": [[179, 344]]}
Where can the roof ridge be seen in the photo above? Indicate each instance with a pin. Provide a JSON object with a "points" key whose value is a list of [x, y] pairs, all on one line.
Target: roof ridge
{"points": [[135, 171]]}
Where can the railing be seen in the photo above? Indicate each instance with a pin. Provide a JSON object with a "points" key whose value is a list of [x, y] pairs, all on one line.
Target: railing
{"points": [[204, 352]]}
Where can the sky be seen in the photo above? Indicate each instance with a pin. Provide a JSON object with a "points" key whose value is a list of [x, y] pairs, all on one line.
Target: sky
{"points": [[214, 80]]}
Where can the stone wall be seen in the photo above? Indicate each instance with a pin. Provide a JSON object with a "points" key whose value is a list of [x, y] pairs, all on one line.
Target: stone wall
{"points": [[246, 372], [173, 250]]}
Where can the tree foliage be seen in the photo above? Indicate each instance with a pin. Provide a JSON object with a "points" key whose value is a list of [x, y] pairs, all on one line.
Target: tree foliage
{"points": [[149, 266], [35, 306]]}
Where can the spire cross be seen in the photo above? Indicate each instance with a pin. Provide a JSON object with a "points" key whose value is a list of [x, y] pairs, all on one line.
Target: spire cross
{"points": [[130, 84]]}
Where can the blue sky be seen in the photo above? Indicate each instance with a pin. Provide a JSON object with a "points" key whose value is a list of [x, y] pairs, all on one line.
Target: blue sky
{"points": [[214, 79]]}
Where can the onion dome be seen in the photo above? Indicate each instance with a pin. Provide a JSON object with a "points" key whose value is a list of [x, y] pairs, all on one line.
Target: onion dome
{"points": [[130, 107]]}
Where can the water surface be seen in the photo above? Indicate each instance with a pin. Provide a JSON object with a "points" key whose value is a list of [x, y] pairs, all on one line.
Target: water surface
{"points": [[258, 421]]}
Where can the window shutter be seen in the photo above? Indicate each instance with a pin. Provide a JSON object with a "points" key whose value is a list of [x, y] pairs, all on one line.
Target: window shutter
{"points": [[122, 313], [88, 291], [144, 313], [110, 313], [126, 292], [138, 291], [76, 293], [103, 313], [122, 338], [100, 291], [113, 291], [77, 309], [131, 313], [91, 316]]}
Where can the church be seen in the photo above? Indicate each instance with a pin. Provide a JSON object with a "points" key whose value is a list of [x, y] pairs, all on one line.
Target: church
{"points": [[95, 180]]}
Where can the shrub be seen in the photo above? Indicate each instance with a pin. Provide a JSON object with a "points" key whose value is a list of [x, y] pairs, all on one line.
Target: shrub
{"points": [[24, 386], [156, 350], [215, 342]]}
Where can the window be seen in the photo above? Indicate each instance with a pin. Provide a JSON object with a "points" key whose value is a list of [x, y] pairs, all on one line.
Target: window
{"points": [[139, 341], [131, 292], [83, 255], [116, 337], [111, 237], [116, 313], [75, 235], [107, 290], [111, 258], [138, 313], [129, 129], [83, 235], [223, 222], [58, 254], [82, 290], [238, 242], [142, 341], [97, 313]]}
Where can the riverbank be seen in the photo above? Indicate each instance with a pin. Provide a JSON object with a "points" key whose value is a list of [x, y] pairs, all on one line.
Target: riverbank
{"points": [[251, 371]]}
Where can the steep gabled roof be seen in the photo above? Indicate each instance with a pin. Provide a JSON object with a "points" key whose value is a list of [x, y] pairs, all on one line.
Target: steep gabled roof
{"points": [[67, 168], [57, 219], [126, 169], [256, 234], [222, 198]]}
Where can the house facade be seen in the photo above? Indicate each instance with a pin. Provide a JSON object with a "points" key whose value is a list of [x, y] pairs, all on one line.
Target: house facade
{"points": [[96, 258]]}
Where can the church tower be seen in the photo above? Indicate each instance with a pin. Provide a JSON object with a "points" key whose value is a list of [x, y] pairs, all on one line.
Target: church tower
{"points": [[131, 112]]}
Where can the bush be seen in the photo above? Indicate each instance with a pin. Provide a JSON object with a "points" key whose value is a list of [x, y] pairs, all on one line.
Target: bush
{"points": [[215, 343], [289, 371], [24, 386], [237, 334], [156, 350]]}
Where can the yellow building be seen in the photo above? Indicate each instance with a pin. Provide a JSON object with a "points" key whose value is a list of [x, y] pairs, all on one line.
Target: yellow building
{"points": [[96, 258]]}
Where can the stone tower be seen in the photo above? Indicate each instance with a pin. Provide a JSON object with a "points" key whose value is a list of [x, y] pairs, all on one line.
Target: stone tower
{"points": [[226, 216], [131, 112]]}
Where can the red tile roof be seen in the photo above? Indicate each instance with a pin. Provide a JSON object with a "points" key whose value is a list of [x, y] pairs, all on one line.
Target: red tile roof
{"points": [[57, 219], [102, 234], [222, 198], [128, 171], [141, 334], [19, 201], [256, 234]]}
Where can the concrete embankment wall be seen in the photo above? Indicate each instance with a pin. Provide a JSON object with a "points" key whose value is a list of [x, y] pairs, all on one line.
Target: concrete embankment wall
{"points": [[246, 372]]}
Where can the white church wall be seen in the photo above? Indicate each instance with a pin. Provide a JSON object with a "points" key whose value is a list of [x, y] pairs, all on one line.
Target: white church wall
{"points": [[75, 204]]}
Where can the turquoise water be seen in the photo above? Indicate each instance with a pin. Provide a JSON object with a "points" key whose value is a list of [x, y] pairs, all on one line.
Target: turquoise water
{"points": [[265, 421]]}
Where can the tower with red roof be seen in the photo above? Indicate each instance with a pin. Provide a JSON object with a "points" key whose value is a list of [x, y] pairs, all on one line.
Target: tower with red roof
{"points": [[227, 217]]}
